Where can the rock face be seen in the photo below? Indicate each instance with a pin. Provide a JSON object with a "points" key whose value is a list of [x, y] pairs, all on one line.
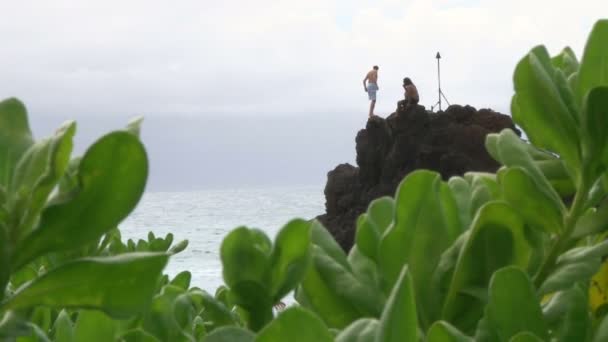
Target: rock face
{"points": [[450, 142]]}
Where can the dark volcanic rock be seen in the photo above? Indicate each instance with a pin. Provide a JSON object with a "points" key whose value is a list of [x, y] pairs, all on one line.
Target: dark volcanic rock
{"points": [[450, 142]]}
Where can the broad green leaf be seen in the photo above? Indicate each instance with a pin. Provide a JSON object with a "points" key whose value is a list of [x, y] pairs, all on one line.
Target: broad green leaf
{"points": [[513, 306], [581, 254], [601, 333], [322, 238], [442, 331], [520, 190], [568, 274], [344, 284], [594, 64], [367, 237], [538, 107], [567, 315], [364, 268], [37, 173], [593, 222], [399, 321], [566, 61], [245, 255], [555, 172], [425, 225], [361, 330], [230, 334], [159, 319], [498, 238], [381, 212], [215, 312], [295, 325], [182, 280], [63, 330], [336, 311], [526, 337], [512, 153], [595, 129], [137, 335], [461, 191], [290, 257], [120, 286], [94, 326], [112, 176], [15, 137]]}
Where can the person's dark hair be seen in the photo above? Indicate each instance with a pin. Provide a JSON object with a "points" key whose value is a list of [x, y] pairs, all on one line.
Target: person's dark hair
{"points": [[376, 67], [407, 81]]}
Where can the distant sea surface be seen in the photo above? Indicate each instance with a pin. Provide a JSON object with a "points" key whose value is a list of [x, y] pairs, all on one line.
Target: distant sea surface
{"points": [[205, 217]]}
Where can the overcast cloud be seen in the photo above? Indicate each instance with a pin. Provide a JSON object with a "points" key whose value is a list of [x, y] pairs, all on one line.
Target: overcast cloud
{"points": [[265, 58]]}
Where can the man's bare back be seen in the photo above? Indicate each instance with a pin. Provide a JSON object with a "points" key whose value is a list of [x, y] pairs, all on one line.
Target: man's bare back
{"points": [[372, 76]]}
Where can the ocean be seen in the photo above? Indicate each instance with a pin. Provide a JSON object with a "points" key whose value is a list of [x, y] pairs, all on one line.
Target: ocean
{"points": [[205, 217]]}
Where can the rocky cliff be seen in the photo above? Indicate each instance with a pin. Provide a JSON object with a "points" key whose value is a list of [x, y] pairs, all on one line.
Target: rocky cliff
{"points": [[450, 142]]}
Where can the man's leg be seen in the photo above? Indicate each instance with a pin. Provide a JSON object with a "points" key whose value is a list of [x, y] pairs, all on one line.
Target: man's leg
{"points": [[372, 104]]}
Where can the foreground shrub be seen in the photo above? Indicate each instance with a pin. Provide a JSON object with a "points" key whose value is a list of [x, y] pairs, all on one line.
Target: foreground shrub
{"points": [[511, 256]]}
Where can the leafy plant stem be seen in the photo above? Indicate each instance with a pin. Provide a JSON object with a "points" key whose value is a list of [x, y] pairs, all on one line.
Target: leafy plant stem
{"points": [[563, 240]]}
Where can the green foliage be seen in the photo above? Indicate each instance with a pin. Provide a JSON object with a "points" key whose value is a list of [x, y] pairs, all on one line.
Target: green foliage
{"points": [[514, 256], [59, 246]]}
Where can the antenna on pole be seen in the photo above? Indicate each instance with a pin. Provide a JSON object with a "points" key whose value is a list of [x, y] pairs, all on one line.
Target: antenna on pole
{"points": [[439, 91]]}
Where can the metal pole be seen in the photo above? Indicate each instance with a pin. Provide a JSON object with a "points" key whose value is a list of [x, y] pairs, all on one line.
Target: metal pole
{"points": [[439, 79]]}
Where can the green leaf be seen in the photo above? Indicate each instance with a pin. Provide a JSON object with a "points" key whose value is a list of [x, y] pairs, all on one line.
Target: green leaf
{"points": [[442, 331], [566, 61], [461, 191], [361, 330], [567, 315], [37, 173], [526, 337], [295, 325], [512, 153], [112, 176], [245, 255], [592, 222], [230, 334], [581, 254], [568, 274], [399, 321], [364, 268], [595, 129], [179, 247], [62, 328], [137, 335], [601, 333], [290, 257], [555, 172], [94, 326], [215, 312], [594, 64], [520, 190], [367, 237], [15, 137], [182, 280], [513, 306], [322, 238], [335, 310], [539, 108], [344, 284], [120, 286], [498, 238], [426, 224]]}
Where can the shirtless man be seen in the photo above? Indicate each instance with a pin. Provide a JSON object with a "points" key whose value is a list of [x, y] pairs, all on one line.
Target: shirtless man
{"points": [[370, 84], [411, 93]]}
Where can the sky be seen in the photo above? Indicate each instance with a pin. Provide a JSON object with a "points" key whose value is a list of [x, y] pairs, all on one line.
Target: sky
{"points": [[239, 92]]}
